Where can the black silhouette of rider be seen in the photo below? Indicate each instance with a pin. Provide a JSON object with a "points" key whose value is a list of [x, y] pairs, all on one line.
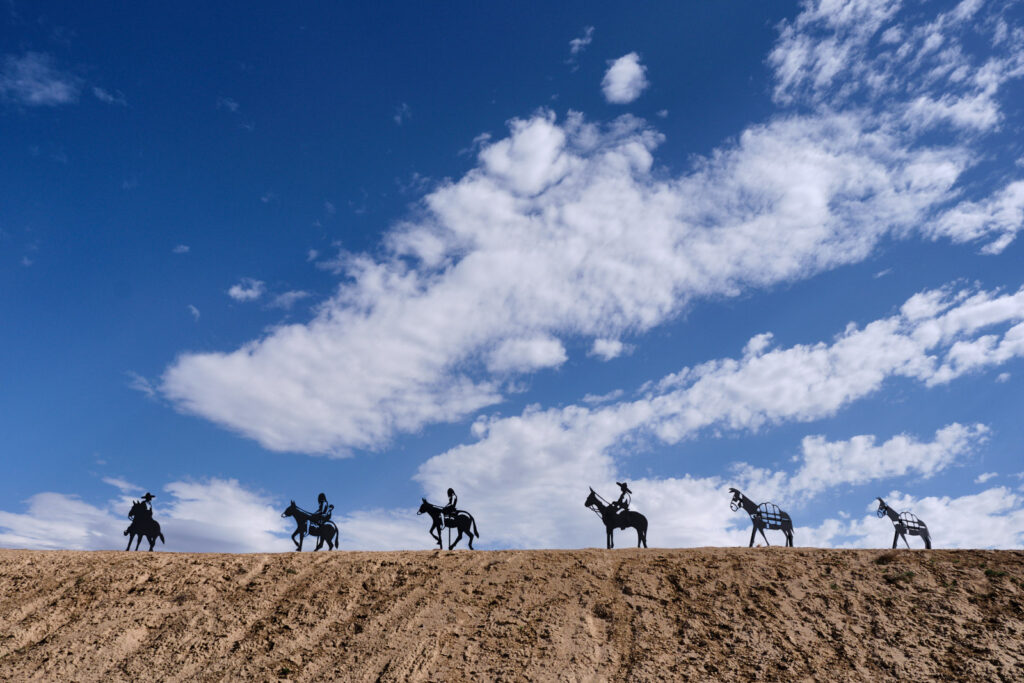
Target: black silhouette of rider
{"points": [[323, 510], [147, 501], [449, 509], [622, 504]]}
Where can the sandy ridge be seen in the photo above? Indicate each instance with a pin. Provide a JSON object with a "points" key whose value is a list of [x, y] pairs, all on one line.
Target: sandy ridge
{"points": [[704, 614]]}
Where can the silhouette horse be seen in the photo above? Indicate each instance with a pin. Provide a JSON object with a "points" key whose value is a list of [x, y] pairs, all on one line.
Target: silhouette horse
{"points": [[326, 531], [461, 520], [764, 516], [617, 520], [905, 523], [142, 524]]}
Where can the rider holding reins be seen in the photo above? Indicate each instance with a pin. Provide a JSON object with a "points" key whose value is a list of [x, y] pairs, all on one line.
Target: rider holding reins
{"points": [[623, 502]]}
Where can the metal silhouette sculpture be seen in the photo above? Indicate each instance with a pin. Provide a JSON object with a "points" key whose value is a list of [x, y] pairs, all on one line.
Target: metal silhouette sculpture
{"points": [[143, 525], [448, 517], [905, 523], [617, 515], [316, 524], [764, 516]]}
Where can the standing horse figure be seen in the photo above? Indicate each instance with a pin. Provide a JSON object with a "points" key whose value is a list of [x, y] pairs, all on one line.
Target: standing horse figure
{"points": [[764, 516], [142, 524], [617, 520], [905, 523], [324, 531], [461, 520]]}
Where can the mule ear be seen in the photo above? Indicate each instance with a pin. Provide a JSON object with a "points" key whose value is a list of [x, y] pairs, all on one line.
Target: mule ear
{"points": [[591, 489], [423, 499]]}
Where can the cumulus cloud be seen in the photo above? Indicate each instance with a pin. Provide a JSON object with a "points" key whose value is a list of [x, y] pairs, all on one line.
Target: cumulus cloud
{"points": [[564, 229], [247, 289], [606, 349], [522, 355], [215, 515], [34, 80], [625, 79]]}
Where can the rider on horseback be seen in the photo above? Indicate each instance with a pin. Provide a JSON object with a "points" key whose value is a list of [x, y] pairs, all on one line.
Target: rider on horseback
{"points": [[323, 511], [622, 504], [449, 509], [147, 501]]}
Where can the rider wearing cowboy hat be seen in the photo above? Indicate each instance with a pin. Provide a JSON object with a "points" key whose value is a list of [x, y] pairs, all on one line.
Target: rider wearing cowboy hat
{"points": [[146, 499], [623, 502]]}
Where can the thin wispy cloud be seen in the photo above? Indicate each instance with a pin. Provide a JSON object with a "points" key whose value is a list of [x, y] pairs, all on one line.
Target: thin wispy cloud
{"points": [[33, 79]]}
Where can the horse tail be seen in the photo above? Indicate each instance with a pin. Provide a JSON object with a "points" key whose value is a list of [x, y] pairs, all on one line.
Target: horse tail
{"points": [[336, 535], [475, 531], [162, 538]]}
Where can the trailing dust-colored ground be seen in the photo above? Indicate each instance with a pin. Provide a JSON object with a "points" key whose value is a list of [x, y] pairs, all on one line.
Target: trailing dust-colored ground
{"points": [[697, 614]]}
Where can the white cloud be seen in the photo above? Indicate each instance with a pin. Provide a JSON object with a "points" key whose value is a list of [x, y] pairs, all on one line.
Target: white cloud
{"points": [[578, 45], [194, 311], [523, 355], [247, 289], [563, 230], [1003, 377], [288, 299], [625, 79], [856, 461], [984, 477], [1000, 215], [181, 249], [215, 515], [606, 349], [141, 384], [32, 79]]}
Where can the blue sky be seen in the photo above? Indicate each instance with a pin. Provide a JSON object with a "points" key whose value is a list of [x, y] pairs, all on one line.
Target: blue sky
{"points": [[252, 253]]}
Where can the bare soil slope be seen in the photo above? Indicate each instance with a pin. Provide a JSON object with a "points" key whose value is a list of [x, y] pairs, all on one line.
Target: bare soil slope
{"points": [[704, 614]]}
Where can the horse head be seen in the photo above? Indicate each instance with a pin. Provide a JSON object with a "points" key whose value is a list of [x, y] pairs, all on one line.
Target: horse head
{"points": [[734, 504], [882, 507], [289, 510], [591, 499], [424, 507], [135, 509]]}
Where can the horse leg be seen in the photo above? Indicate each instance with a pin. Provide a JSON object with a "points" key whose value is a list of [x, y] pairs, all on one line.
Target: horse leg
{"points": [[895, 539], [469, 536], [789, 538], [138, 541], [753, 535], [927, 541], [130, 539], [764, 537], [152, 542], [611, 538], [456, 541]]}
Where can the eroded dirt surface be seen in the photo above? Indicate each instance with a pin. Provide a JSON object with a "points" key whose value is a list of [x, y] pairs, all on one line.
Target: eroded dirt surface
{"points": [[702, 614]]}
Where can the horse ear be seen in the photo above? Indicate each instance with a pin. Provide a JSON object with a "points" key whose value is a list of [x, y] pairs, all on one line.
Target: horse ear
{"points": [[423, 499], [591, 489]]}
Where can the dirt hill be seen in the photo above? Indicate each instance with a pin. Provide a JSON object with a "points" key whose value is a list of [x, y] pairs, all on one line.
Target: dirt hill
{"points": [[704, 614]]}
